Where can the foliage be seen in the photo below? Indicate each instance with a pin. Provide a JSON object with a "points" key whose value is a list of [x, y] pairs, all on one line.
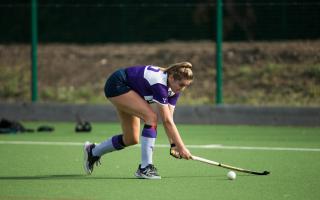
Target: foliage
{"points": [[15, 83]]}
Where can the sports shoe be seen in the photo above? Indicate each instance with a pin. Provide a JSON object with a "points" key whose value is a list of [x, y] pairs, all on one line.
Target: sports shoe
{"points": [[89, 160], [149, 172]]}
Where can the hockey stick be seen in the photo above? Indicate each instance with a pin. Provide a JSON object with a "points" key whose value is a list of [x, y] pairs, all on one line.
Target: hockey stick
{"points": [[211, 162]]}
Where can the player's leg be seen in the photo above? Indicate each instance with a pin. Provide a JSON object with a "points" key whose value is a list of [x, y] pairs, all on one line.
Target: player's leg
{"points": [[133, 104], [130, 135], [138, 107], [130, 128]]}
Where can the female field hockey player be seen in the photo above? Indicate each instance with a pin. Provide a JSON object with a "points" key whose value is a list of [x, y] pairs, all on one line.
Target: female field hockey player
{"points": [[131, 90]]}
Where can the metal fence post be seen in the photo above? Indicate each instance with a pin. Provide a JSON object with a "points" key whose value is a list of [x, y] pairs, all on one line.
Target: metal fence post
{"points": [[34, 57], [219, 75]]}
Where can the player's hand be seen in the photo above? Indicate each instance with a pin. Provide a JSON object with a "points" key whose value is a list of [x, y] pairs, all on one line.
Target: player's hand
{"points": [[174, 151], [185, 153], [180, 152]]}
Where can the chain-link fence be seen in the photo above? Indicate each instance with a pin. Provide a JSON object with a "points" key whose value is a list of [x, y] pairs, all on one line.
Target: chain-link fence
{"points": [[271, 48], [113, 21]]}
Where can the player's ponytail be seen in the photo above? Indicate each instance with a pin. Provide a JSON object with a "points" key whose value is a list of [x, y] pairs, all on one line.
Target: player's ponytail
{"points": [[180, 71]]}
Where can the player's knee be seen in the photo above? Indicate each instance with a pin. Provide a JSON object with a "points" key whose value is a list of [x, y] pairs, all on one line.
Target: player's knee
{"points": [[152, 119]]}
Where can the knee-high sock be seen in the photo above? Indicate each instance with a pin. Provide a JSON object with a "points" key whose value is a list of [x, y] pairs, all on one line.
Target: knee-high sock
{"points": [[148, 138], [114, 143]]}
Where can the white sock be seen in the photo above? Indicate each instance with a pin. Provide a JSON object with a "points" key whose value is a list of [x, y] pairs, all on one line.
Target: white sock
{"points": [[115, 143], [103, 148], [147, 146]]}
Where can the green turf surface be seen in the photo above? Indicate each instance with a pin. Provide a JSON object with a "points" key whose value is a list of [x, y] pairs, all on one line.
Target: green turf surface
{"points": [[34, 172]]}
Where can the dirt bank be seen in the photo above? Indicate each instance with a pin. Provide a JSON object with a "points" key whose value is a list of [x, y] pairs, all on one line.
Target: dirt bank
{"points": [[253, 72]]}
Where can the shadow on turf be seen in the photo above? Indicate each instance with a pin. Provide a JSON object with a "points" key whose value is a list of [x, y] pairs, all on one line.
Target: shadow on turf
{"points": [[213, 177], [86, 177]]}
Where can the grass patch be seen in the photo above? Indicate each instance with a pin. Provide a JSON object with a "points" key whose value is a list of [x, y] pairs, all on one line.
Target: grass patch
{"points": [[48, 171]]}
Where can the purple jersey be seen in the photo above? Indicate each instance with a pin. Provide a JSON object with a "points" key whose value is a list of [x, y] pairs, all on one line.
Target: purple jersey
{"points": [[151, 83]]}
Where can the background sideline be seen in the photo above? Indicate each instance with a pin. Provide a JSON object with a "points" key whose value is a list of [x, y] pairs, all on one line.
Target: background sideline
{"points": [[226, 114]]}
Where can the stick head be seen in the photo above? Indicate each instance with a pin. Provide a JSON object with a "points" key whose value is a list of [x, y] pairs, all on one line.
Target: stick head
{"points": [[260, 173], [265, 173]]}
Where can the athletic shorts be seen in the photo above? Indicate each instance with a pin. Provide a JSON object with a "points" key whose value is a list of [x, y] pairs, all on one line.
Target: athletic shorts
{"points": [[116, 84]]}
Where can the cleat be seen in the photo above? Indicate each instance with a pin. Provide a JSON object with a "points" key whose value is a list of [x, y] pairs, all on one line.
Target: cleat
{"points": [[89, 160], [149, 172]]}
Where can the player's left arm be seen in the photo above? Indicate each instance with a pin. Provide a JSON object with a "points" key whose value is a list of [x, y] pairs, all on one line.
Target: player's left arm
{"points": [[172, 132], [171, 108], [173, 148]]}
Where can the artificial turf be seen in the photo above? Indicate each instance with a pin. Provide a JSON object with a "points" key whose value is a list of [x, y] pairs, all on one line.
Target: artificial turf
{"points": [[54, 171]]}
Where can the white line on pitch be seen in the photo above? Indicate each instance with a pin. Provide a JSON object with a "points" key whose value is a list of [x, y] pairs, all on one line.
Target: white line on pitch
{"points": [[208, 146], [43, 143]]}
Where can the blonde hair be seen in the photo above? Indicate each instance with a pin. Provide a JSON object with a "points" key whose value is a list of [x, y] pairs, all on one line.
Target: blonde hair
{"points": [[180, 71]]}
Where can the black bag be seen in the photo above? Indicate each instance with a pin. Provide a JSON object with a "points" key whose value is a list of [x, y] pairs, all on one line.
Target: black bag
{"points": [[45, 128], [83, 127], [10, 126]]}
